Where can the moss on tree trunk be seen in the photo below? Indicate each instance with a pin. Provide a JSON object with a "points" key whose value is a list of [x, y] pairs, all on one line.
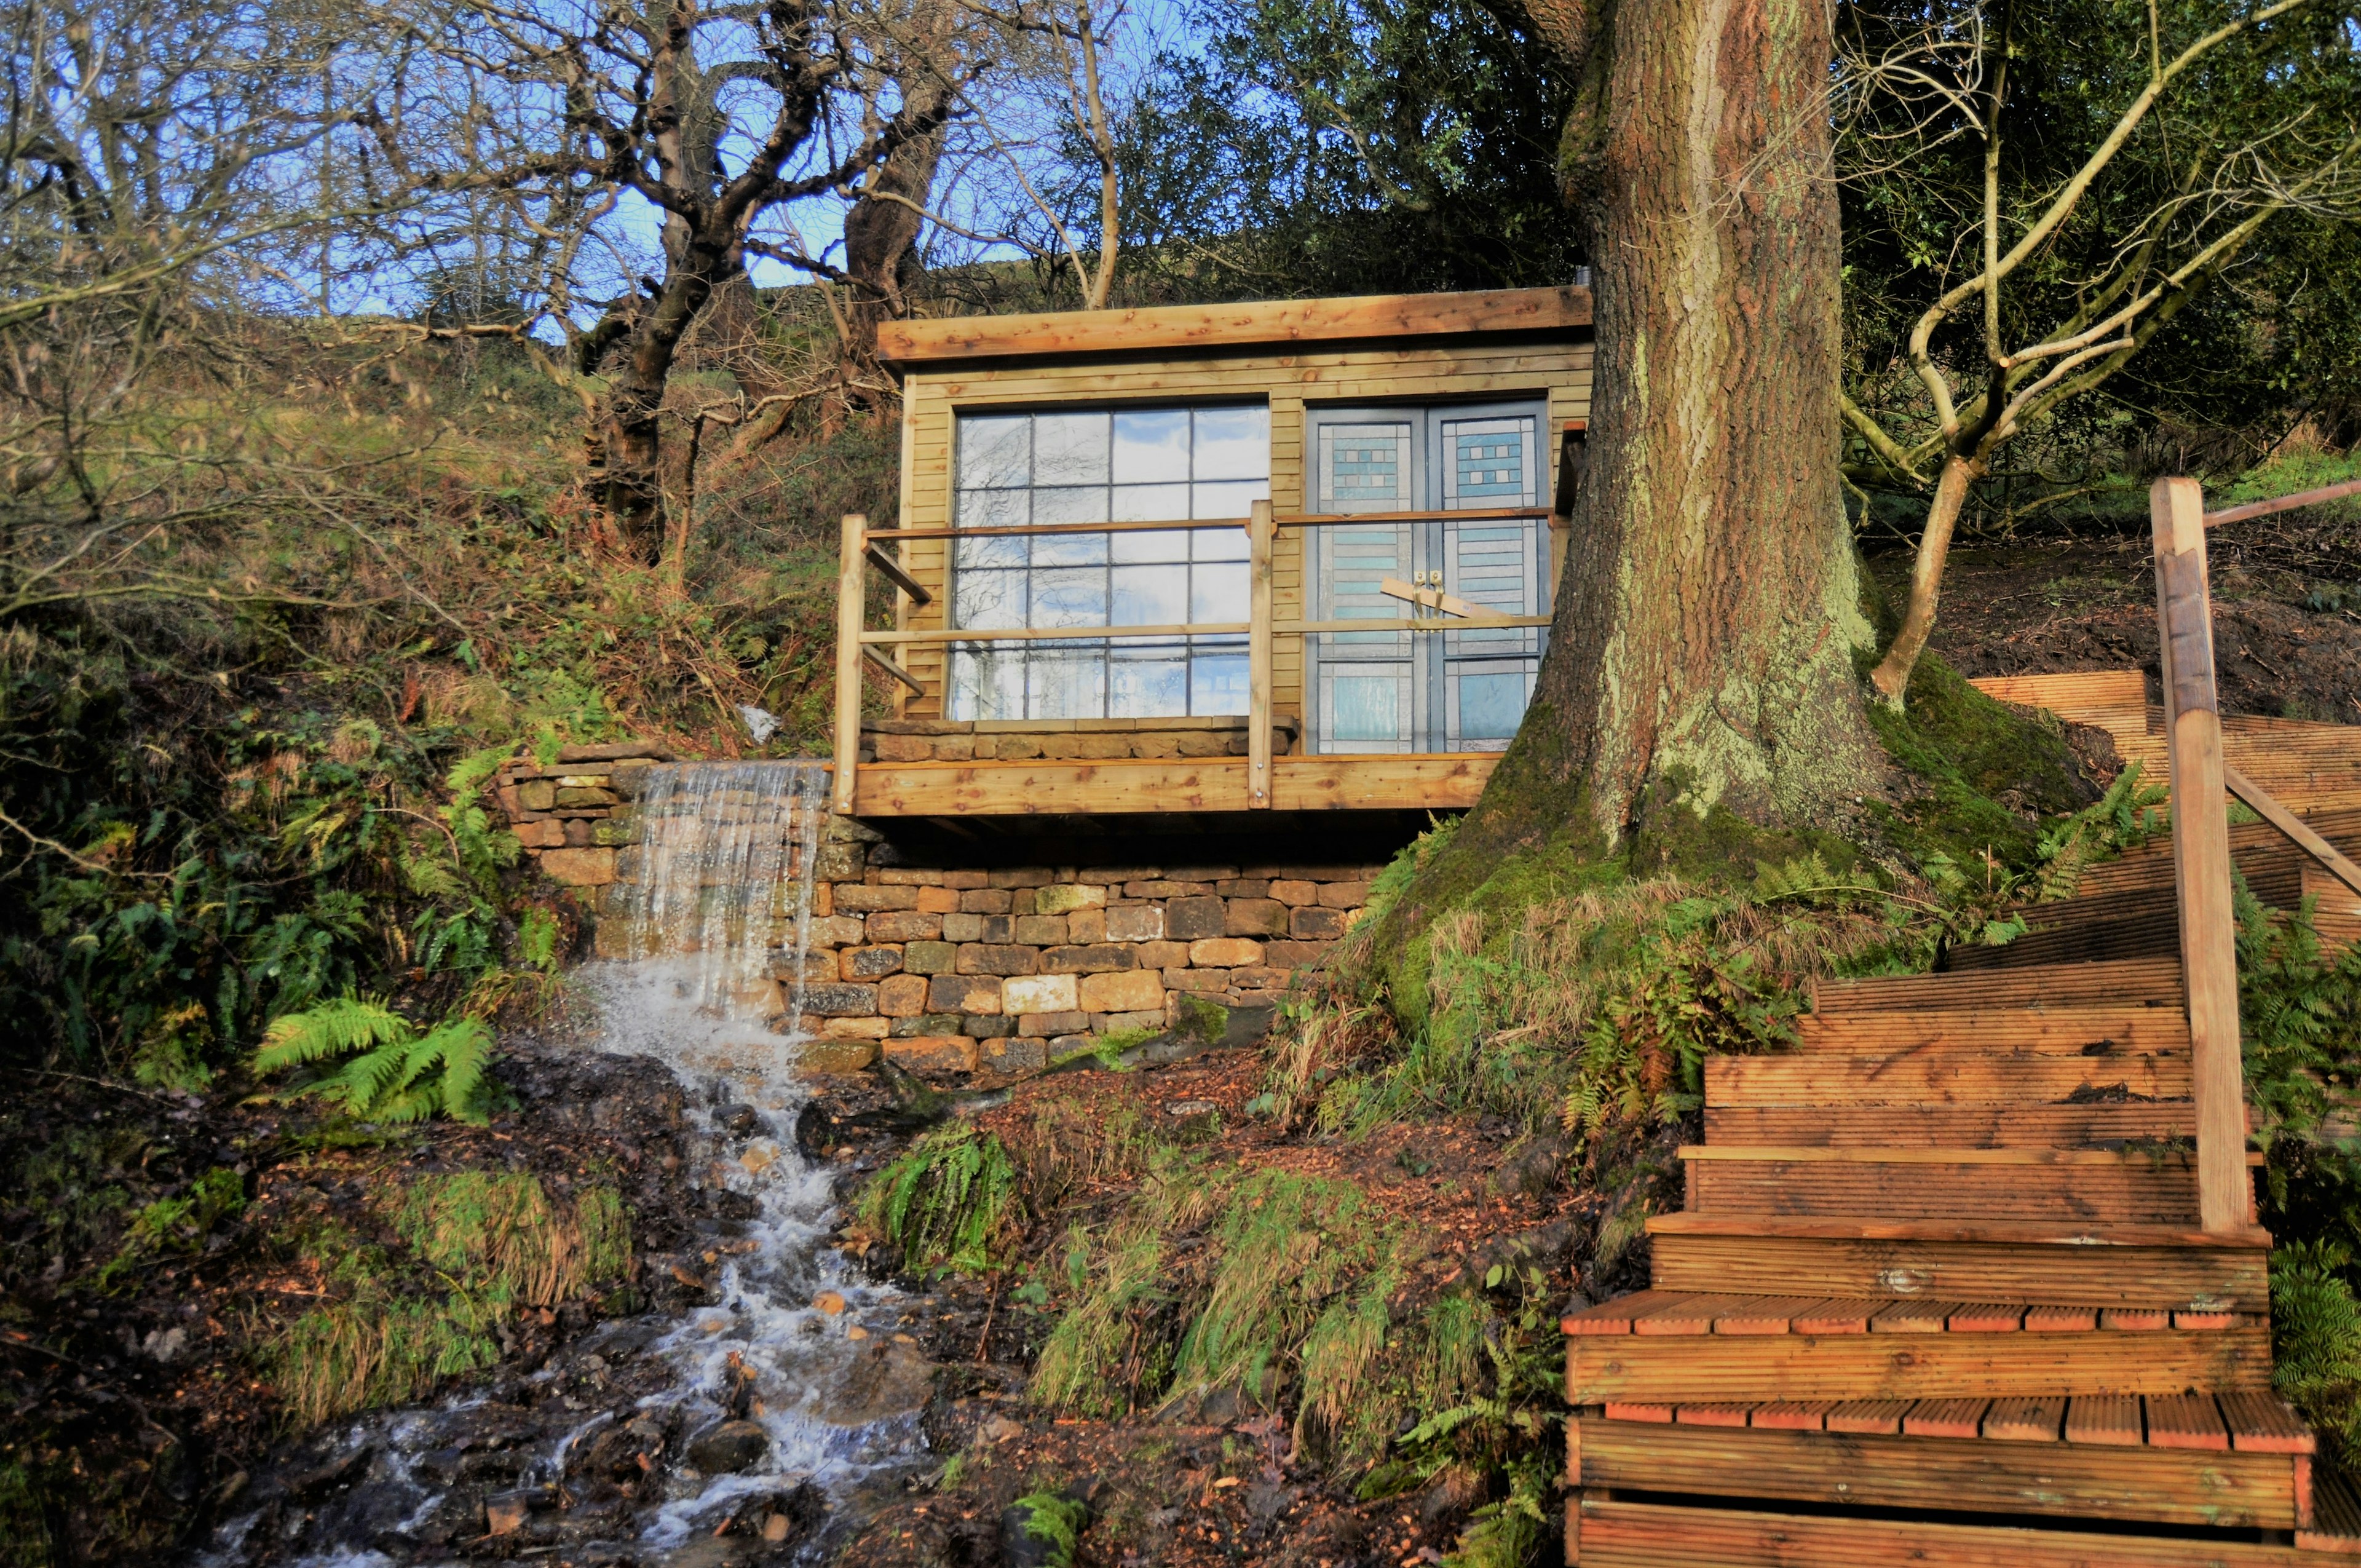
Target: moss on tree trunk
{"points": [[1703, 665]]}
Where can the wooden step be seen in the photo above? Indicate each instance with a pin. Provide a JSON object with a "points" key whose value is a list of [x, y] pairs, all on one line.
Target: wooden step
{"points": [[2124, 983], [2112, 1265], [1604, 1530], [1802, 1078], [1947, 1365], [2087, 1186], [2098, 1125], [2235, 1488], [2061, 1032]]}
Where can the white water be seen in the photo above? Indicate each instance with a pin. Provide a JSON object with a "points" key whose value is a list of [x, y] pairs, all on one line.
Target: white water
{"points": [[727, 855]]}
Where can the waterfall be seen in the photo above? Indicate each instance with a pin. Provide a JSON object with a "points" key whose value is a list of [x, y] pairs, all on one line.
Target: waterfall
{"points": [[723, 876], [703, 945]]}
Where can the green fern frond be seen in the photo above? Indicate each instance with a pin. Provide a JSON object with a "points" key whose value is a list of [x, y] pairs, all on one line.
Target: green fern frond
{"points": [[331, 1029]]}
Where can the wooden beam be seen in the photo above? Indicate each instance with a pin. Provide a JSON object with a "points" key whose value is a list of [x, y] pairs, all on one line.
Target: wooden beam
{"points": [[2282, 503], [1429, 782], [1134, 332], [892, 571], [2287, 822], [1313, 628], [1029, 530], [2200, 849], [893, 669], [851, 591], [1258, 538], [1456, 514], [1056, 634]]}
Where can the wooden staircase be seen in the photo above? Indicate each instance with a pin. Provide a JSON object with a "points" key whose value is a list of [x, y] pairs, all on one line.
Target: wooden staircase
{"points": [[1942, 1293]]}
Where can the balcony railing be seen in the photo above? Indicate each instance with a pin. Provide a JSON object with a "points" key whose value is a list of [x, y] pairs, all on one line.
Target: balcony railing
{"points": [[1430, 609]]}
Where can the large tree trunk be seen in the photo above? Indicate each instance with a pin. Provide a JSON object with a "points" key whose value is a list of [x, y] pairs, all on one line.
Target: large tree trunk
{"points": [[1704, 642], [880, 235]]}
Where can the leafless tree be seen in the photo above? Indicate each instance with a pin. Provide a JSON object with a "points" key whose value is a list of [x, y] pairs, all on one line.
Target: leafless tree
{"points": [[1992, 355]]}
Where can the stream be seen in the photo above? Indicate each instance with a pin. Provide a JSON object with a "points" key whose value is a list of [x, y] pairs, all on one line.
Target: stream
{"points": [[752, 1427]]}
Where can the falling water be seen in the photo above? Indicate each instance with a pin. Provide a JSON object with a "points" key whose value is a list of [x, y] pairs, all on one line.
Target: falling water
{"points": [[715, 909]]}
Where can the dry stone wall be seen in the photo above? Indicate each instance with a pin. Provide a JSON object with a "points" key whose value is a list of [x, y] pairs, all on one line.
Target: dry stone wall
{"points": [[951, 969]]}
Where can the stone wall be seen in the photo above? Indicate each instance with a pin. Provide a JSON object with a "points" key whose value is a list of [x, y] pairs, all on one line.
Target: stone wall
{"points": [[956, 969]]}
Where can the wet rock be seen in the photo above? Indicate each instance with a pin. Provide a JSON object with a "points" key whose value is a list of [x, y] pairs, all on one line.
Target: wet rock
{"points": [[739, 1121], [322, 1478], [730, 1447], [1028, 1534], [708, 1551], [506, 1512], [883, 1378], [814, 1134]]}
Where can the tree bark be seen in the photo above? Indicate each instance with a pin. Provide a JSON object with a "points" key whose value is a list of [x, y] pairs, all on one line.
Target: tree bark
{"points": [[880, 235], [1891, 677], [1705, 634]]}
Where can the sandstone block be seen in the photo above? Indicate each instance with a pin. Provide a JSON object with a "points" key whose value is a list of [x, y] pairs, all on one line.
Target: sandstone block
{"points": [[1096, 959], [1007, 748], [1016, 1055], [578, 867], [855, 1028], [924, 1024], [1067, 1045], [1163, 887], [1259, 978], [842, 1000], [987, 1025], [838, 931], [1062, 898], [1020, 901], [1021, 876], [1040, 930], [581, 795], [1113, 876], [1053, 1023], [836, 1056], [933, 1053], [870, 963], [1293, 955], [1187, 920], [1106, 1023], [905, 925], [907, 876], [954, 748], [543, 835], [1200, 873], [1316, 925], [1201, 743], [929, 958], [1344, 894], [1085, 926], [937, 900], [1256, 917], [1225, 952], [839, 862], [903, 748], [861, 898], [1134, 923], [1122, 990], [984, 901], [1038, 994], [1295, 895], [964, 993], [988, 958], [1244, 887], [966, 881], [1163, 955], [902, 996], [821, 965], [577, 833], [1197, 978], [538, 794]]}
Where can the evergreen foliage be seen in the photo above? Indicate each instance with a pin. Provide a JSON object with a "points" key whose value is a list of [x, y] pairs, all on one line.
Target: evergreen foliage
{"points": [[399, 1074]]}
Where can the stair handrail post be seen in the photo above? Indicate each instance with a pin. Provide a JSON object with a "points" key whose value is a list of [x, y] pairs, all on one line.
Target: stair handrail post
{"points": [[851, 611], [1260, 533], [2201, 851]]}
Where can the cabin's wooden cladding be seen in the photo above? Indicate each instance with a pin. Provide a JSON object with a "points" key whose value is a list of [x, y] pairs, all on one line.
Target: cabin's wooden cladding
{"points": [[1474, 368]]}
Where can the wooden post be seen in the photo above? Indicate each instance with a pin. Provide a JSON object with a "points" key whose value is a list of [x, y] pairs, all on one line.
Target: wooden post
{"points": [[1260, 533], [851, 590], [2201, 851]]}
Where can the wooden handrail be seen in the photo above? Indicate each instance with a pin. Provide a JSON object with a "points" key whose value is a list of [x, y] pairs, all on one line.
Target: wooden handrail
{"points": [[2282, 503], [2269, 808], [851, 604], [2201, 852], [1280, 520]]}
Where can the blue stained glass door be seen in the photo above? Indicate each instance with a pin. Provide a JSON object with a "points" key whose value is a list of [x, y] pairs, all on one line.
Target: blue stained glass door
{"points": [[1448, 690]]}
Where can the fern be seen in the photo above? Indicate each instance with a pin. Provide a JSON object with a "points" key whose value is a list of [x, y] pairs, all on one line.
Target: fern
{"points": [[400, 1075]]}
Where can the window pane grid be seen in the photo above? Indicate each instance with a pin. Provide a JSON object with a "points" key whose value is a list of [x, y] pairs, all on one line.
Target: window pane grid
{"points": [[1098, 466]]}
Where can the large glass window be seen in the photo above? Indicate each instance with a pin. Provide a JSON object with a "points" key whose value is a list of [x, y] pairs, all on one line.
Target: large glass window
{"points": [[1104, 465]]}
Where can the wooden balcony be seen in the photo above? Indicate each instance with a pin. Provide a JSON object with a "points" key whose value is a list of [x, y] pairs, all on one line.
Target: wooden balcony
{"points": [[1181, 768]]}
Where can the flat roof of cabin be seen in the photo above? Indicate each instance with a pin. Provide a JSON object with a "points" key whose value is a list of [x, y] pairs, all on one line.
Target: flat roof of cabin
{"points": [[1258, 324]]}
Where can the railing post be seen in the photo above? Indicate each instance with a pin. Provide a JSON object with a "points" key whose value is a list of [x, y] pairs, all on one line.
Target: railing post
{"points": [[1259, 540], [851, 593], [2201, 851]]}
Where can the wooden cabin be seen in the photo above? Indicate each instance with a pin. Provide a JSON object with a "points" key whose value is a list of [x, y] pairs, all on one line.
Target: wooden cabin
{"points": [[1200, 563]]}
